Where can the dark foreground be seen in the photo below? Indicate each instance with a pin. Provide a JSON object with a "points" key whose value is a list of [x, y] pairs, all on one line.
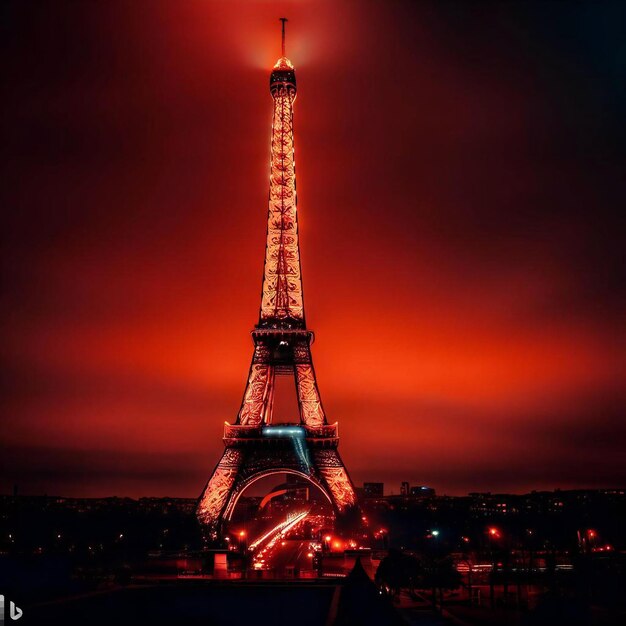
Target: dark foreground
{"points": [[350, 601]]}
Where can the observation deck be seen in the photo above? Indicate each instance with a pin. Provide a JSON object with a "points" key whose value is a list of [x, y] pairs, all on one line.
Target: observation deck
{"points": [[283, 76], [326, 436]]}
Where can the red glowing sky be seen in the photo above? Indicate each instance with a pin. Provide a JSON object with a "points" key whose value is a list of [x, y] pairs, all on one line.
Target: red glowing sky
{"points": [[460, 178]]}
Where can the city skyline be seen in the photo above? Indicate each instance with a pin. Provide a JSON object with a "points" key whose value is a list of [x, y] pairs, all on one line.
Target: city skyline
{"points": [[460, 242]]}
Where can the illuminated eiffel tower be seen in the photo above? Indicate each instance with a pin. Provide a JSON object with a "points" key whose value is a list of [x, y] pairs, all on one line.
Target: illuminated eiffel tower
{"points": [[282, 347]]}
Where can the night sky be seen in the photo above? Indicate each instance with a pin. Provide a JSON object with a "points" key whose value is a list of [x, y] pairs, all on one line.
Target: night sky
{"points": [[461, 180]]}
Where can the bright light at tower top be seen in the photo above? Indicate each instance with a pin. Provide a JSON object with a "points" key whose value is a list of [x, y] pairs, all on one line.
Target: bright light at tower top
{"points": [[283, 64]]}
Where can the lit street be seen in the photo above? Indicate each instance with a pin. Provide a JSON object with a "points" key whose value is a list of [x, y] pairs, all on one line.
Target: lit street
{"points": [[290, 553]]}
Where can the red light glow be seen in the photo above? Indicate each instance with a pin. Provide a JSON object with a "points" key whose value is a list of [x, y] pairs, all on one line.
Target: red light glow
{"points": [[131, 276]]}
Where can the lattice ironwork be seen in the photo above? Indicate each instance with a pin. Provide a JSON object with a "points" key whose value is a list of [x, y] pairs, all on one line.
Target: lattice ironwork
{"points": [[282, 346], [218, 489], [340, 487], [311, 409], [327, 458], [256, 395], [282, 282]]}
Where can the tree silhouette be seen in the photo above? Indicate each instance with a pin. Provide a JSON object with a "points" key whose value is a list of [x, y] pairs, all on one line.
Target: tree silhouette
{"points": [[399, 571]]}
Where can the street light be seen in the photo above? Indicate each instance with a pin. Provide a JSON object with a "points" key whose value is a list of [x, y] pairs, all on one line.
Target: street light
{"points": [[494, 534], [242, 540]]}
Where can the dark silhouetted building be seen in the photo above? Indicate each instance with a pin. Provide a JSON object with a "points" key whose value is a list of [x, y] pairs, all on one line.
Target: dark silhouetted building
{"points": [[373, 490]]}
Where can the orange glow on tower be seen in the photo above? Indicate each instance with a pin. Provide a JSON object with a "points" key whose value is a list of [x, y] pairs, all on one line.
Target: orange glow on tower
{"points": [[282, 347]]}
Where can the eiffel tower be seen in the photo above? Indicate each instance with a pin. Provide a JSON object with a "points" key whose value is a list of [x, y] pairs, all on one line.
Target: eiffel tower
{"points": [[254, 446]]}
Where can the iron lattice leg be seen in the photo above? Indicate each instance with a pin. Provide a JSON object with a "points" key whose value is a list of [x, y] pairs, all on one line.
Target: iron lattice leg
{"points": [[337, 482], [218, 491]]}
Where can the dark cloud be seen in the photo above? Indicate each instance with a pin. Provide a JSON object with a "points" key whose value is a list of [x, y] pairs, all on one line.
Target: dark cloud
{"points": [[76, 472]]}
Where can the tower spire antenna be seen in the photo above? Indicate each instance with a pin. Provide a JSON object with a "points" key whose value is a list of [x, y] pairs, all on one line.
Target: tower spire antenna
{"points": [[283, 20]]}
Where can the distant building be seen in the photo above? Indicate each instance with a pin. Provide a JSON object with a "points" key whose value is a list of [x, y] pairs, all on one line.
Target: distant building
{"points": [[422, 491], [373, 490], [404, 489]]}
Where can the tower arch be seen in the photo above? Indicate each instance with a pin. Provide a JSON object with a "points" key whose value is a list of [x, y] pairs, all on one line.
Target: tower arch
{"points": [[239, 491]]}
